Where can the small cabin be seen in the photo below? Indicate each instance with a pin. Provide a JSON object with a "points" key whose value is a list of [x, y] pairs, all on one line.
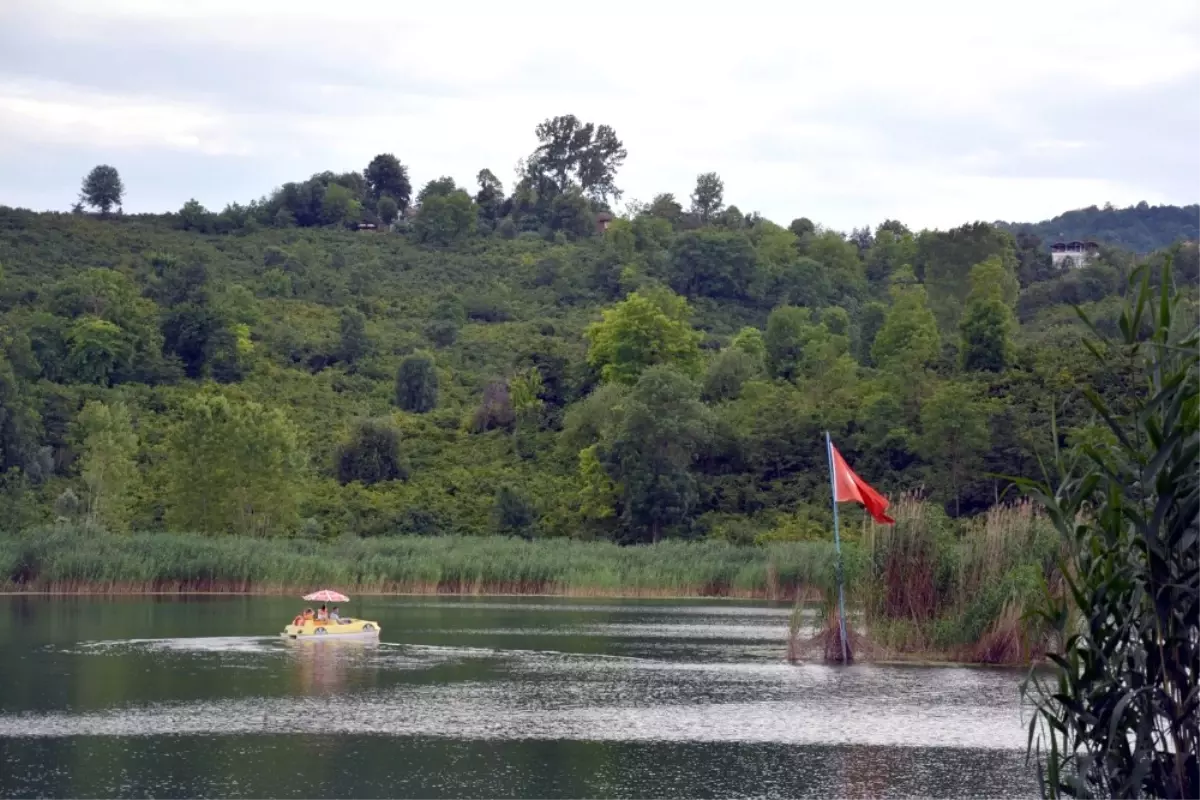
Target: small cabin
{"points": [[1066, 255], [367, 226]]}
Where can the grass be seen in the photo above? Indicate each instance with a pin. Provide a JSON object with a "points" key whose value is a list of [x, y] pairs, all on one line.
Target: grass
{"points": [[74, 559]]}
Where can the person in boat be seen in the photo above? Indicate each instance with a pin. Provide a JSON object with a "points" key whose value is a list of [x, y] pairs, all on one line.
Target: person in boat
{"points": [[322, 614], [308, 614], [334, 615], [298, 619]]}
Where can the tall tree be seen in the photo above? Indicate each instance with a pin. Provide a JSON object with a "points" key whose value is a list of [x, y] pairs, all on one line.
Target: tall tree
{"points": [[354, 340], [583, 153], [233, 467], [371, 454], [908, 342], [708, 197], [107, 463], [417, 384], [645, 329], [102, 188], [955, 434], [386, 176], [445, 218], [944, 260], [663, 427]]}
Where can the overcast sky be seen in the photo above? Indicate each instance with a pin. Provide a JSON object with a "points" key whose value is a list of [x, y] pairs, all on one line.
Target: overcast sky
{"points": [[848, 112]]}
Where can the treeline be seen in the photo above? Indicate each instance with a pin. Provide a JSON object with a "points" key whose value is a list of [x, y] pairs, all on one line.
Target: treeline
{"points": [[1142, 228], [667, 373]]}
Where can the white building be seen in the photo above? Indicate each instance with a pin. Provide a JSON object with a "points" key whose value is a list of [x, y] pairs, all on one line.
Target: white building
{"points": [[1066, 255]]}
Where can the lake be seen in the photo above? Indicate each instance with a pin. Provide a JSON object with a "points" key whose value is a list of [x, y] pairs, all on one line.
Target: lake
{"points": [[479, 697]]}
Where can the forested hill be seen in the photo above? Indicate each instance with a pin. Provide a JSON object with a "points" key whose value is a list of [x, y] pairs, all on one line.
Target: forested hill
{"points": [[1141, 229], [492, 362]]}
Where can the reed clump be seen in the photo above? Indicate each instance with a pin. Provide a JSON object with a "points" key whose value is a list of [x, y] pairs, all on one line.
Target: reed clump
{"points": [[958, 589]]}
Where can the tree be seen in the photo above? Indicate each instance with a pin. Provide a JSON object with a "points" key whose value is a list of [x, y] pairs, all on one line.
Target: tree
{"points": [[388, 210], [954, 434], [490, 197], [445, 218], [908, 342], [195, 217], [987, 324], [512, 512], [708, 196], [944, 260], [371, 454], [751, 342], [417, 384], [727, 373], [787, 331], [643, 330], [354, 340], [387, 177], [98, 350], [339, 206], [102, 188], [583, 153], [20, 425], [108, 448], [713, 263], [438, 187], [666, 207], [662, 430], [233, 467]]}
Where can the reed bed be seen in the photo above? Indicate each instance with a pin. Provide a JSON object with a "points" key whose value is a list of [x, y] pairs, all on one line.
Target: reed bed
{"points": [[75, 559]]}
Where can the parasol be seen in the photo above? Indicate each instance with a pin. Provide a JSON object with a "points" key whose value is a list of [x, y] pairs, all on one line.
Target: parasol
{"points": [[327, 596]]}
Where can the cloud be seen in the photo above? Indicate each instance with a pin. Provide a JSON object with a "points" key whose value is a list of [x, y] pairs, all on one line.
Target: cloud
{"points": [[847, 113]]}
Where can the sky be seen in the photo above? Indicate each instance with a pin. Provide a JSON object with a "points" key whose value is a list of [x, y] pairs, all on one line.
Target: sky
{"points": [[849, 112]]}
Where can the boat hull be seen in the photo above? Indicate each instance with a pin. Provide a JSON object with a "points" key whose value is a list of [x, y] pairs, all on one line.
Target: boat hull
{"points": [[333, 629]]}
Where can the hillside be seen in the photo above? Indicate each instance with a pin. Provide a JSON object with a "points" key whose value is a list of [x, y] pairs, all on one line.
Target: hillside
{"points": [[1141, 229], [498, 365]]}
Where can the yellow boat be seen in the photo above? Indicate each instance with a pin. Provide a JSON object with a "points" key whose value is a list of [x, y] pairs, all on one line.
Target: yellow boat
{"points": [[309, 627], [332, 629]]}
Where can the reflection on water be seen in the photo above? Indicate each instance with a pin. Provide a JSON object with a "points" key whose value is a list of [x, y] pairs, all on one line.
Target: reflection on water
{"points": [[502, 698]]}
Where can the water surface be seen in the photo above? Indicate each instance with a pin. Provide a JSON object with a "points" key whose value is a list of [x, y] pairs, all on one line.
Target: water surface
{"points": [[183, 697]]}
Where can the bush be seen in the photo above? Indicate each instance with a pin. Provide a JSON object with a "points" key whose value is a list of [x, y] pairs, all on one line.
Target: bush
{"points": [[371, 455], [417, 384]]}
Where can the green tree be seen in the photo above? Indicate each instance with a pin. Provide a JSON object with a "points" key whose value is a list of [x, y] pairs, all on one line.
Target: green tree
{"points": [[787, 330], [102, 188], [232, 467], [666, 207], [97, 350], [417, 384], [438, 187], [107, 463], [490, 198], [643, 330], [354, 340], [955, 433], [571, 151], [512, 512], [445, 218], [387, 177], [708, 197], [371, 454], [712, 263], [20, 425], [944, 260], [388, 210], [908, 342], [598, 493], [339, 206], [988, 323], [750, 341], [195, 217], [663, 427], [727, 373]]}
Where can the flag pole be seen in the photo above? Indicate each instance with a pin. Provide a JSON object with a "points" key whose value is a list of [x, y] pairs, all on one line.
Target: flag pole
{"points": [[837, 544]]}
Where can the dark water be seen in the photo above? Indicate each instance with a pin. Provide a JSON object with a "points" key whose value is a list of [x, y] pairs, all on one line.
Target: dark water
{"points": [[478, 698]]}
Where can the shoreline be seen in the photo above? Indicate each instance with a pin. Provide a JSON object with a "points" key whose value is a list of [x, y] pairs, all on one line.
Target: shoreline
{"points": [[581, 593]]}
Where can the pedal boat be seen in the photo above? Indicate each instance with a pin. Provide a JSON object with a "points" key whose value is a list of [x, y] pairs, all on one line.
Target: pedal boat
{"points": [[344, 628]]}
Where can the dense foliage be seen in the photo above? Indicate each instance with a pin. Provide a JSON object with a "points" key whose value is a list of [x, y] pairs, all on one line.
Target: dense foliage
{"points": [[1123, 716], [523, 363]]}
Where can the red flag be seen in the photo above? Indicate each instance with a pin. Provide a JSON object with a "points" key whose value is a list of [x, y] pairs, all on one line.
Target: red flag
{"points": [[851, 488]]}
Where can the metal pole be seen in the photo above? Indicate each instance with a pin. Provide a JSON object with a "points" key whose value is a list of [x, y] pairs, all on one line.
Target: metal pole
{"points": [[837, 544]]}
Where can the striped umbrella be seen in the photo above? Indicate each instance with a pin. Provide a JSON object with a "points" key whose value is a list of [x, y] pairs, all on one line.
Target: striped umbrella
{"points": [[327, 596]]}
